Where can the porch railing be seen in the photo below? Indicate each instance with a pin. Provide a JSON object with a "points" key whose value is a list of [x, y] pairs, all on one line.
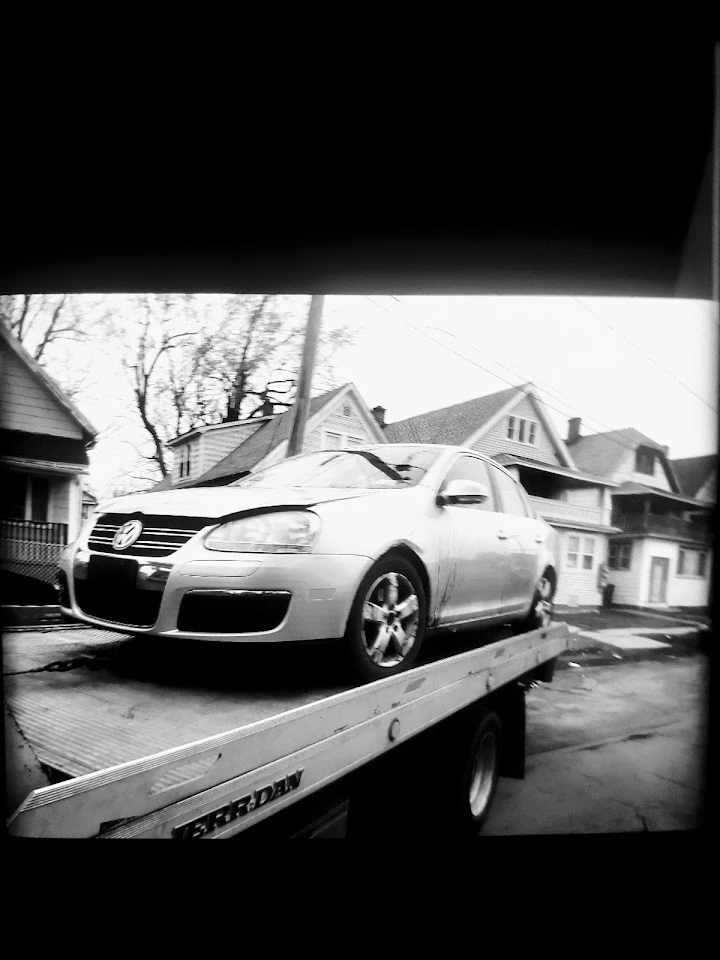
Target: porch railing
{"points": [[31, 547], [560, 510], [662, 526]]}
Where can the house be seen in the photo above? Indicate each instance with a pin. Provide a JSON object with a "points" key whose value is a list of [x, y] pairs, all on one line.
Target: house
{"points": [[513, 427], [89, 503], [661, 555], [44, 440], [218, 454]]}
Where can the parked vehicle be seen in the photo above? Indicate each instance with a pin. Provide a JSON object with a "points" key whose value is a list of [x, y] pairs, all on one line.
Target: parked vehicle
{"points": [[372, 545]]}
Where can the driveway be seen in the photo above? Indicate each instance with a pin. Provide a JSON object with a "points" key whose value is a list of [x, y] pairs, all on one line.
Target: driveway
{"points": [[611, 749]]}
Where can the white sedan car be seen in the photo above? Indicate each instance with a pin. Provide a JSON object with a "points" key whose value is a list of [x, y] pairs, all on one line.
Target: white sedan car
{"points": [[370, 546]]}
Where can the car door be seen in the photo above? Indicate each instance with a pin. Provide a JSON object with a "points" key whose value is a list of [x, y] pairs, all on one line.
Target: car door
{"points": [[524, 541], [473, 550]]}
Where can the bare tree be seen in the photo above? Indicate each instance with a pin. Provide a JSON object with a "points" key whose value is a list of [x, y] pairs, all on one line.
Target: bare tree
{"points": [[40, 320]]}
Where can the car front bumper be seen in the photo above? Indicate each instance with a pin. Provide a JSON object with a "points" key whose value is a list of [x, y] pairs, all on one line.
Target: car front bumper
{"points": [[321, 590]]}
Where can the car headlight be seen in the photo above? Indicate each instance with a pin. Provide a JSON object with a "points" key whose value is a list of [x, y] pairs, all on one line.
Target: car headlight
{"points": [[282, 532]]}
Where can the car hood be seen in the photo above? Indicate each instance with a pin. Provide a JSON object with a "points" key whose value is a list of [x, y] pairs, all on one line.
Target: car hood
{"points": [[223, 501]]}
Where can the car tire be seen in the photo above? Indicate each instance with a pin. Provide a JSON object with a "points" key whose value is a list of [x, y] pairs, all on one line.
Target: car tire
{"points": [[379, 641], [541, 610]]}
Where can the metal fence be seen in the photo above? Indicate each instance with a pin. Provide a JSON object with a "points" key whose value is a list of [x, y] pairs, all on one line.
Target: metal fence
{"points": [[31, 549]]}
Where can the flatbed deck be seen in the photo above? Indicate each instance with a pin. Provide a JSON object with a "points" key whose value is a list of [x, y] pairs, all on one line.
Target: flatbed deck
{"points": [[163, 730], [151, 697]]}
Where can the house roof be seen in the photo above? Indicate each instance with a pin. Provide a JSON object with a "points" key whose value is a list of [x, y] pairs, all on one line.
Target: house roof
{"points": [[693, 472], [631, 488], [509, 458], [449, 425], [89, 431], [271, 432], [603, 453]]}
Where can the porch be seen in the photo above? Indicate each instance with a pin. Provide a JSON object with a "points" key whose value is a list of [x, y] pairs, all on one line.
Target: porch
{"points": [[661, 515], [32, 548]]}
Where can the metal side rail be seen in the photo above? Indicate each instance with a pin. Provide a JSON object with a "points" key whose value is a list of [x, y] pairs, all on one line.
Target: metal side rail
{"points": [[221, 785]]}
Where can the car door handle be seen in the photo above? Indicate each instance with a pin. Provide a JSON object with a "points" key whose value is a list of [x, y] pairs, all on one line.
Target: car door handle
{"points": [[501, 535]]}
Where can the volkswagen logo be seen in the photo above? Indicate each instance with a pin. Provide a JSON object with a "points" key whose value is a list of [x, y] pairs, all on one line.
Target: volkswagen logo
{"points": [[127, 535]]}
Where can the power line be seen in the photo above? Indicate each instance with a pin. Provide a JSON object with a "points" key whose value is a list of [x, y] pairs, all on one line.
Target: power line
{"points": [[642, 352], [615, 440]]}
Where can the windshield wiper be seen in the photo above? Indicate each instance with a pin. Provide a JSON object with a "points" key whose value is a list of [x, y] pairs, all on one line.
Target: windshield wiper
{"points": [[379, 464]]}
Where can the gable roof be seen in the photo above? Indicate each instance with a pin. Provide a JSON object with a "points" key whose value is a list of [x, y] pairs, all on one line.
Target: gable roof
{"points": [[693, 472], [262, 442], [451, 425], [604, 452], [58, 394]]}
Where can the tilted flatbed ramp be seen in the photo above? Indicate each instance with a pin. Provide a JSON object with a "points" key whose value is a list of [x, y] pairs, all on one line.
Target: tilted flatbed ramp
{"points": [[220, 761]]}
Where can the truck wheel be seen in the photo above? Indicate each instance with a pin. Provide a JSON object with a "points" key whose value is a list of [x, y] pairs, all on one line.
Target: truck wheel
{"points": [[481, 774], [387, 620]]}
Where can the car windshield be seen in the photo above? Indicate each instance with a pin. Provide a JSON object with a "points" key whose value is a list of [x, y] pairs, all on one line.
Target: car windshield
{"points": [[372, 468]]}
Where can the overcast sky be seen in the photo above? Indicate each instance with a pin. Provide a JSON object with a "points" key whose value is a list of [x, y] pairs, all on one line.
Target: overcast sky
{"points": [[649, 364]]}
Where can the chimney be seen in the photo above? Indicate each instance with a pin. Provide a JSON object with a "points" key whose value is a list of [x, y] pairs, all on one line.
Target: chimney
{"points": [[573, 430], [379, 414], [267, 409]]}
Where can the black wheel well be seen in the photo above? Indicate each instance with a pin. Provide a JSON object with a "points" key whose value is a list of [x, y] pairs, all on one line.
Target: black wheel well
{"points": [[403, 550], [550, 573]]}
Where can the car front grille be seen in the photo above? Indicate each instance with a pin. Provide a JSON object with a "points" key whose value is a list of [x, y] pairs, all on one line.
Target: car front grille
{"points": [[160, 536], [130, 606], [240, 611]]}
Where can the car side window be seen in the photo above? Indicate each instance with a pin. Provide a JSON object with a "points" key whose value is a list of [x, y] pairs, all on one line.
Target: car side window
{"points": [[472, 468], [510, 494]]}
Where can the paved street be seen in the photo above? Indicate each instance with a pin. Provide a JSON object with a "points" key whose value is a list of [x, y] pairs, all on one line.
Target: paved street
{"points": [[611, 749]]}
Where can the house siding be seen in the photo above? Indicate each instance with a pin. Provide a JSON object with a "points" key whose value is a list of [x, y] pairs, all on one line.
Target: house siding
{"points": [[626, 472], [496, 439], [217, 444], [577, 587], [628, 583], [26, 405]]}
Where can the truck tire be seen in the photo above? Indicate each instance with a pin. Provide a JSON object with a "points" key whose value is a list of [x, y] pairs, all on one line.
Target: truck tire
{"points": [[481, 773], [387, 620]]}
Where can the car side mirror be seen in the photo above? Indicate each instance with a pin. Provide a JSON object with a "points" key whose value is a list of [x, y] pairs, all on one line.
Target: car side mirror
{"points": [[462, 491]]}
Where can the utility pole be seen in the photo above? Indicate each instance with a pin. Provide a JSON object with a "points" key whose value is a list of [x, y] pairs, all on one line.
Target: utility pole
{"points": [[302, 397]]}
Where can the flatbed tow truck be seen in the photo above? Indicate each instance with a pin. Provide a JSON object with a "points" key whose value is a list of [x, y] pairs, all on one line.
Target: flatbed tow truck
{"points": [[109, 737]]}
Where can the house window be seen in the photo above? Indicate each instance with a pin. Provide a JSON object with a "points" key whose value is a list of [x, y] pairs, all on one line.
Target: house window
{"points": [[185, 461], [339, 441], [619, 555], [347, 410], [521, 430], [588, 555], [332, 441], [573, 551], [691, 563], [645, 462]]}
